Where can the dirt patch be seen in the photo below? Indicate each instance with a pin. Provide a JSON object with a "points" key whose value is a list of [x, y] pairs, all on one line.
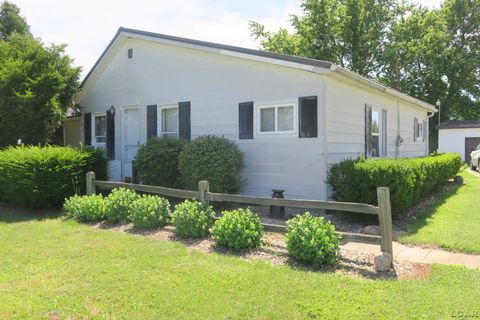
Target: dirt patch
{"points": [[273, 250]]}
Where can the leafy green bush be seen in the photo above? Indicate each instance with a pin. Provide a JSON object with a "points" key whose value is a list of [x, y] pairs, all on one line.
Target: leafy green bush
{"points": [[238, 229], [312, 240], [85, 208], [118, 204], [215, 159], [193, 219], [97, 162], [43, 176], [157, 162], [408, 179], [150, 211]]}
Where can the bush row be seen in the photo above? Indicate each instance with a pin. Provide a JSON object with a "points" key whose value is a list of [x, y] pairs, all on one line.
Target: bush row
{"points": [[174, 163], [43, 176], [309, 239], [408, 179]]}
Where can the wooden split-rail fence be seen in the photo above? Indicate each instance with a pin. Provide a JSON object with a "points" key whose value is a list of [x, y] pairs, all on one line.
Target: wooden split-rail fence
{"points": [[383, 210]]}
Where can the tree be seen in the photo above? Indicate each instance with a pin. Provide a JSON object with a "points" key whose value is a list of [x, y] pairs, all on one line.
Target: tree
{"points": [[11, 21], [37, 85], [350, 33], [438, 49]]}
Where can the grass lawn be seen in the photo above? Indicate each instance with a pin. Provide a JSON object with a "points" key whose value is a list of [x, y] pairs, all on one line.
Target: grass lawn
{"points": [[452, 221], [55, 269]]}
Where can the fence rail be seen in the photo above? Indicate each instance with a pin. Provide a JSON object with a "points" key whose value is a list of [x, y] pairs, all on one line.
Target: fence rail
{"points": [[203, 194]]}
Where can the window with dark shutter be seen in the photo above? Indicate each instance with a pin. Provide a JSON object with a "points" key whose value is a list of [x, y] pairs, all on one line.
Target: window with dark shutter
{"points": [[245, 120], [151, 121], [368, 130], [184, 130], [307, 115], [110, 140], [87, 127]]}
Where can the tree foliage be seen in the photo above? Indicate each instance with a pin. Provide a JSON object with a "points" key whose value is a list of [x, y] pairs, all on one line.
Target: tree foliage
{"points": [[438, 49], [11, 22], [37, 82]]}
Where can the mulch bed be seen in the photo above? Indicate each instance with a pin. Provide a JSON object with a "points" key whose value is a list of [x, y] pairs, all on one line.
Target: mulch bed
{"points": [[273, 250]]}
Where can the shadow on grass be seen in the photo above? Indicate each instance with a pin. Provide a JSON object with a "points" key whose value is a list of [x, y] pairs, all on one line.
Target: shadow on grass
{"points": [[14, 214], [417, 216]]}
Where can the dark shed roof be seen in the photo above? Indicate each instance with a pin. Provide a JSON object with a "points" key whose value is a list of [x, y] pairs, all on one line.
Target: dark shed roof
{"points": [[459, 124]]}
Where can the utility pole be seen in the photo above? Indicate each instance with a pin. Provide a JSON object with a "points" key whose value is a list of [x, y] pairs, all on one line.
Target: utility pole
{"points": [[398, 74]]}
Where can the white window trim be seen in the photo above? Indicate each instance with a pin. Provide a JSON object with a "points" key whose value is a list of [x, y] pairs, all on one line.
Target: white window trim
{"points": [[160, 119], [94, 140], [380, 132], [276, 106]]}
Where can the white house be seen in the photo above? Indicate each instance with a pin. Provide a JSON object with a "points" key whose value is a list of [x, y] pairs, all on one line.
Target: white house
{"points": [[459, 136], [292, 117]]}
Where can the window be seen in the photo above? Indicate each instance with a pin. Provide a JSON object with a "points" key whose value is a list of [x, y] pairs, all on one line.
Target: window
{"points": [[130, 53], [169, 121], [278, 118], [420, 131], [100, 128], [375, 131]]}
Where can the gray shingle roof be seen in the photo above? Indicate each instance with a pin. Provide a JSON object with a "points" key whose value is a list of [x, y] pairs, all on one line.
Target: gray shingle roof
{"points": [[459, 124]]}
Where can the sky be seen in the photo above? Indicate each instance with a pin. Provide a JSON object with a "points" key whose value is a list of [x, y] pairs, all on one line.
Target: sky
{"points": [[87, 26]]}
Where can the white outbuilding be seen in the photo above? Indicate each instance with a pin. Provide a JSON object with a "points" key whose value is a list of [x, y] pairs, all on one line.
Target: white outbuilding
{"points": [[459, 136]]}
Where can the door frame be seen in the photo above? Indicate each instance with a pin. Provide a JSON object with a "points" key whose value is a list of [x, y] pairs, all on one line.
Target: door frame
{"points": [[135, 106]]}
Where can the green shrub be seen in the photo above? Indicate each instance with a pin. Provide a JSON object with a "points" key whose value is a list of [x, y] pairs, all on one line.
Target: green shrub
{"points": [[312, 240], [215, 159], [193, 219], [238, 229], [150, 211], [408, 179], [118, 204], [43, 176], [85, 208], [157, 162], [97, 162]]}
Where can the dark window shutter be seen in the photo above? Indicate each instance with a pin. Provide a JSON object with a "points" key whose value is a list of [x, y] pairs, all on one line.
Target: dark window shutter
{"points": [[424, 130], [307, 115], [151, 121], [415, 129], [184, 130], [87, 127], [110, 139], [368, 130], [384, 132], [245, 120]]}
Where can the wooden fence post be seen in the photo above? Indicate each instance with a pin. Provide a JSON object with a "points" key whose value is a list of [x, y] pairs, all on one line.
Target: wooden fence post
{"points": [[90, 183], [203, 189], [385, 219]]}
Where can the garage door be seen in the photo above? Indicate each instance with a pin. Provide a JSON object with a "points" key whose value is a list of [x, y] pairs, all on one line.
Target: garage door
{"points": [[470, 144]]}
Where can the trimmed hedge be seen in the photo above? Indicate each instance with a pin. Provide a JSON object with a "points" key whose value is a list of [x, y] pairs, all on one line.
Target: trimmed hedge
{"points": [[157, 162], [215, 159], [36, 176], [408, 179]]}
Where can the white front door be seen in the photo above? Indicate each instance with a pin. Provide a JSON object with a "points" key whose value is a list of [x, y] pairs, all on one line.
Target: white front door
{"points": [[131, 139]]}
